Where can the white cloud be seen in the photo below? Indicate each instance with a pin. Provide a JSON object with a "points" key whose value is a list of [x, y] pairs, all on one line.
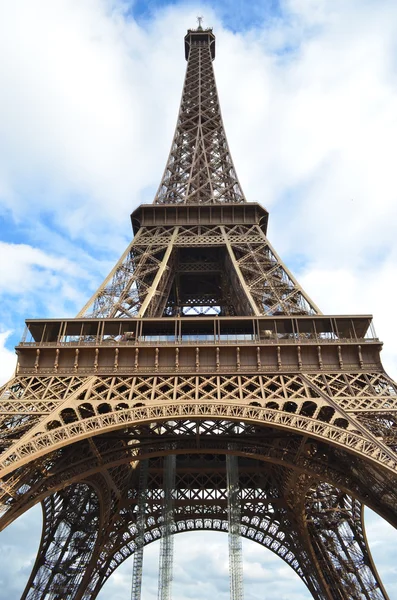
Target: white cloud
{"points": [[26, 267], [33, 281], [79, 89], [7, 359], [382, 540], [18, 549]]}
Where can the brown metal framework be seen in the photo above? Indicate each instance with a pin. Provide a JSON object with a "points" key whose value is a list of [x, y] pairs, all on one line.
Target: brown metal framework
{"points": [[200, 344]]}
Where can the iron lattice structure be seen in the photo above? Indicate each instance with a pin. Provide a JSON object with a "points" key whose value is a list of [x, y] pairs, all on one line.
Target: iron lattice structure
{"points": [[200, 344]]}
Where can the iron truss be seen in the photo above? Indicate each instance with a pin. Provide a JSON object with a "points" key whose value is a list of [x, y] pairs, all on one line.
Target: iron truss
{"points": [[199, 168], [200, 345]]}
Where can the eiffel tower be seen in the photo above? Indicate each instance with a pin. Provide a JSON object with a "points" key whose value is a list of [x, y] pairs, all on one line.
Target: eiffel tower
{"points": [[200, 388]]}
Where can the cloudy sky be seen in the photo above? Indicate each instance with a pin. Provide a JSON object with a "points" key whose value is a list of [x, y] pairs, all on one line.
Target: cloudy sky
{"points": [[89, 97]]}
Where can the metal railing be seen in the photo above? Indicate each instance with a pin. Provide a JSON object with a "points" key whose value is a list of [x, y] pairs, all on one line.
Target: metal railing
{"points": [[277, 339]]}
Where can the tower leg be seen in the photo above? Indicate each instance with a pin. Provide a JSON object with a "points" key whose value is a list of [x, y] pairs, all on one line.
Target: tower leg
{"points": [[167, 538], [335, 526], [234, 521], [70, 528]]}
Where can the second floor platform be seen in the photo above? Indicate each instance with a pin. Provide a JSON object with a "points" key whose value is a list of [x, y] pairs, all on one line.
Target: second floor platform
{"points": [[199, 344]]}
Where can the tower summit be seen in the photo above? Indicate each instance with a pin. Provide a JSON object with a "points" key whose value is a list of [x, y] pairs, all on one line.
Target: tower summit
{"points": [[199, 36], [200, 388], [199, 168]]}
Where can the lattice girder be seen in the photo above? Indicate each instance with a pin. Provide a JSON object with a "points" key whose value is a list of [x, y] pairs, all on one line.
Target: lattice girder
{"points": [[26, 485], [123, 292], [335, 526], [200, 510], [199, 168], [72, 522], [294, 402], [141, 491], [141, 281]]}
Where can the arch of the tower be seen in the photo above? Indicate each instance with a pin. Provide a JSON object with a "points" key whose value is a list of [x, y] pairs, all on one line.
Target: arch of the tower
{"points": [[273, 532], [267, 524], [82, 558], [104, 405], [314, 456]]}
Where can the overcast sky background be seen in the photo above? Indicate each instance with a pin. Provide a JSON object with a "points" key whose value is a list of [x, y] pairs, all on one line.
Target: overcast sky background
{"points": [[89, 98]]}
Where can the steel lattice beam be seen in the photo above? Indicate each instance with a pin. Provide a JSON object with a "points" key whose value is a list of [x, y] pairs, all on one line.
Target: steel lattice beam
{"points": [[69, 534], [136, 588], [166, 565], [234, 520]]}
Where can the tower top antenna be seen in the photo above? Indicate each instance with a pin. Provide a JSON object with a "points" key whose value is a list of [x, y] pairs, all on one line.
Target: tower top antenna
{"points": [[200, 19]]}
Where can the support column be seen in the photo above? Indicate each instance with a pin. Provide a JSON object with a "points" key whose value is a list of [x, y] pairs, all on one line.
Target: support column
{"points": [[167, 538], [234, 520], [136, 588]]}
